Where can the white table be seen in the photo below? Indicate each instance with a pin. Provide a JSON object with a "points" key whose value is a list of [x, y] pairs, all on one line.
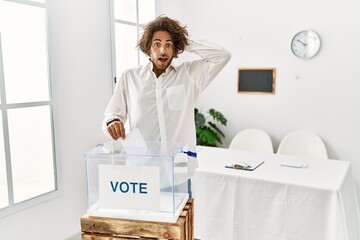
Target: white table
{"points": [[273, 202]]}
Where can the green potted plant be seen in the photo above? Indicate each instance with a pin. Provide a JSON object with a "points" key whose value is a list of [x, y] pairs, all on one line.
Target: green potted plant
{"points": [[207, 132]]}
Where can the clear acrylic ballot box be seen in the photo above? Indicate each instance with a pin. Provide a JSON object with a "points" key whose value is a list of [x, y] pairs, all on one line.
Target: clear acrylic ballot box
{"points": [[139, 183]]}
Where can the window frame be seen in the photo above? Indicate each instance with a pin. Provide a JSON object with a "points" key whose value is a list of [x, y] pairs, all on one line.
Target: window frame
{"points": [[4, 107], [113, 21]]}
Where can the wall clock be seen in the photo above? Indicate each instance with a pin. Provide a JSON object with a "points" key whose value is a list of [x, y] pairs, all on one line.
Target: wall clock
{"points": [[305, 44]]}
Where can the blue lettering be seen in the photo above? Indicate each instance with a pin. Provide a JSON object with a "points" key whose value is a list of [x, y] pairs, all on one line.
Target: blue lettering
{"points": [[143, 188], [133, 186], [126, 187], [114, 187]]}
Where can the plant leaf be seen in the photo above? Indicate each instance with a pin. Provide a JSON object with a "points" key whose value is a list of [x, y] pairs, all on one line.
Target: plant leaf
{"points": [[199, 119], [218, 116], [208, 136], [207, 133], [213, 125]]}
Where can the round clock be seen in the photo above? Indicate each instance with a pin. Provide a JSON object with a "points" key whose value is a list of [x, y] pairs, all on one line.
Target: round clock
{"points": [[305, 44]]}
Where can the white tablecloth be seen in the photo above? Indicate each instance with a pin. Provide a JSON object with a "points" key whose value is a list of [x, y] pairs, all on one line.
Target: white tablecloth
{"points": [[273, 202]]}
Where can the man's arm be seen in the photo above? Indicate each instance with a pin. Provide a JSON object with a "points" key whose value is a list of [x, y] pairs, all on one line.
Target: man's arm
{"points": [[115, 113], [214, 59]]}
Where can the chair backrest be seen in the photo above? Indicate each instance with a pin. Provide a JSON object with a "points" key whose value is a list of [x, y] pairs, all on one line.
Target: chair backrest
{"points": [[254, 140], [303, 143]]}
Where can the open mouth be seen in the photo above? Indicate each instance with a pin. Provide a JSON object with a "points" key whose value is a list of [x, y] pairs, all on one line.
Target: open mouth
{"points": [[163, 59]]}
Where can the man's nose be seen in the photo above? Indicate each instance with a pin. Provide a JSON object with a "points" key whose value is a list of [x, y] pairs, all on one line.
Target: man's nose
{"points": [[162, 49]]}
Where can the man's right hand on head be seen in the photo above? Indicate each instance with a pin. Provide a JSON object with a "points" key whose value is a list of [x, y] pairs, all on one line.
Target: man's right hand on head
{"points": [[116, 130]]}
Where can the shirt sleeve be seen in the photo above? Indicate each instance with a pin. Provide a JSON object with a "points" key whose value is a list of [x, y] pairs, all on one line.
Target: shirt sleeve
{"points": [[116, 108], [213, 60]]}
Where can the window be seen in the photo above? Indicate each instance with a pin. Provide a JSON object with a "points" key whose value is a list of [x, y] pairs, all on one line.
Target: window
{"points": [[27, 156], [127, 18]]}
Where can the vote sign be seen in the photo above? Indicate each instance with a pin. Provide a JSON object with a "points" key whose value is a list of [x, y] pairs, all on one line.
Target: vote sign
{"points": [[129, 187]]}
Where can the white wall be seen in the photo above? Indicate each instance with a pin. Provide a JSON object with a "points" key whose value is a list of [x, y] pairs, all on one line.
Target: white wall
{"points": [[321, 94], [325, 98], [80, 65]]}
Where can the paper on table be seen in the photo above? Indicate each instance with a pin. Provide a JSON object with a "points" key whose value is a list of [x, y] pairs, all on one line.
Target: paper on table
{"points": [[293, 163], [250, 164]]}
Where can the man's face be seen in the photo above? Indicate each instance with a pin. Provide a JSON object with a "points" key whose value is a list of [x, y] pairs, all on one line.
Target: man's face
{"points": [[162, 50]]}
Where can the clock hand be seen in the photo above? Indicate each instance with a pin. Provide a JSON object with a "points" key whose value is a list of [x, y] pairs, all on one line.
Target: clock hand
{"points": [[305, 44]]}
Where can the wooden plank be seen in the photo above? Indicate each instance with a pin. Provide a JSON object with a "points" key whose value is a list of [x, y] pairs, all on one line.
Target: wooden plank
{"points": [[185, 214], [189, 213], [99, 228], [190, 203], [148, 229], [99, 237]]}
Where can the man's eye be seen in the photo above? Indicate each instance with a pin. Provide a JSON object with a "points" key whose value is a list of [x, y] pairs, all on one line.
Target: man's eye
{"points": [[157, 44], [168, 45]]}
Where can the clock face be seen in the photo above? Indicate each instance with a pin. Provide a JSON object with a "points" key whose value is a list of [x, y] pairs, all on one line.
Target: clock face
{"points": [[305, 44]]}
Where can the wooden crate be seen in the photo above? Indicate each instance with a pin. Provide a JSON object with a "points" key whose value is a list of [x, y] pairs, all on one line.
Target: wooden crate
{"points": [[99, 228]]}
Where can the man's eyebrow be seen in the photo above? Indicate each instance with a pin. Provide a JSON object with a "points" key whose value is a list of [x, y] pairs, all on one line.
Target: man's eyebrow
{"points": [[169, 40]]}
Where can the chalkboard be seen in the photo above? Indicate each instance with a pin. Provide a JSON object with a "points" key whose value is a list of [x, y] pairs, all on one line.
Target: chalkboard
{"points": [[256, 80]]}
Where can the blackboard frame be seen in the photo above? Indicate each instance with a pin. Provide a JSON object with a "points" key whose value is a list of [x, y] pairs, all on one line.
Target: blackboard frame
{"points": [[256, 80]]}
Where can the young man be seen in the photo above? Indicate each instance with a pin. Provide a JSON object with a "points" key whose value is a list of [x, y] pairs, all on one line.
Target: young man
{"points": [[159, 97]]}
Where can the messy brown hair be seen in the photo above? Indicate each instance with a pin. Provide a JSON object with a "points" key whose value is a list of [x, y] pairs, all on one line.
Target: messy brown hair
{"points": [[177, 32]]}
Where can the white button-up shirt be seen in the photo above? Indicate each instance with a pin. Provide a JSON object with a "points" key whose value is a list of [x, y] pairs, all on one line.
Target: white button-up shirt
{"points": [[163, 108]]}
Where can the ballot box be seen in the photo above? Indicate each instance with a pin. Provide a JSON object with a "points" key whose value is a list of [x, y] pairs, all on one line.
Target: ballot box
{"points": [[147, 182]]}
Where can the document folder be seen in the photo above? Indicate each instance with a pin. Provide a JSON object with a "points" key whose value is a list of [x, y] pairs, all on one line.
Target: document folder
{"points": [[246, 165]]}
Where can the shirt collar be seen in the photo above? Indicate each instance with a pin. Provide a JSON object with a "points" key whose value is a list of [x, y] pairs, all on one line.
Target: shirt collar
{"points": [[149, 66]]}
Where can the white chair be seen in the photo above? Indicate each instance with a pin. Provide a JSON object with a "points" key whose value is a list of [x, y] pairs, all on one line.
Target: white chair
{"points": [[303, 143], [254, 140]]}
